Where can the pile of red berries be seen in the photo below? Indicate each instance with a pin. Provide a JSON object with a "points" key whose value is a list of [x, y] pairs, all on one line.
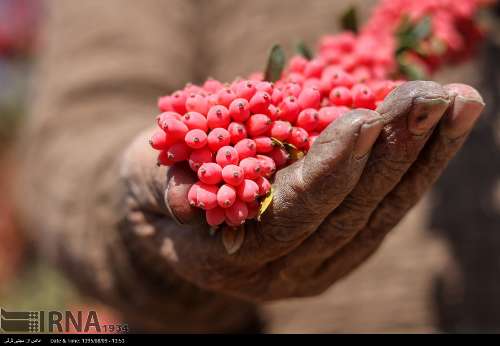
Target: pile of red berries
{"points": [[235, 136], [453, 31]]}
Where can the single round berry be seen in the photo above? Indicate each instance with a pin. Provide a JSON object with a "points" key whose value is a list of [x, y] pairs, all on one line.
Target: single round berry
{"points": [[362, 97], [314, 68], [341, 96], [246, 148], [245, 89], [314, 83], [197, 103], [178, 101], [296, 78], [196, 139], [199, 157], [178, 152], [289, 109], [210, 173], [226, 196], [159, 140], [218, 116], [298, 137], [292, 89], [273, 112], [215, 216], [227, 156], [167, 115], [264, 186], [192, 195], [280, 157], [217, 138], [237, 213], [297, 64], [190, 89], [264, 144], [308, 119], [225, 96], [260, 102], [251, 167], [339, 77], [281, 130], [195, 120], [237, 132], [248, 190], [309, 98], [239, 110], [233, 175], [174, 129], [267, 165], [211, 85], [277, 96], [165, 104], [206, 196], [163, 159], [213, 100], [264, 86], [361, 74], [258, 125]]}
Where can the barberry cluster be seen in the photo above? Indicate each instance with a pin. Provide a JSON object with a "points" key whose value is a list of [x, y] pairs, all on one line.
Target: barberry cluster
{"points": [[236, 135]]}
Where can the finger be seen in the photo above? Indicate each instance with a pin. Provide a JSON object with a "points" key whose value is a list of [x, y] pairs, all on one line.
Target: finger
{"points": [[466, 106], [465, 109], [410, 112], [144, 180], [160, 190], [307, 191], [180, 178]]}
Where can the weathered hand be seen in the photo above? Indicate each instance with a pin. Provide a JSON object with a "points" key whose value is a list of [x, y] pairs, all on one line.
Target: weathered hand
{"points": [[330, 211]]}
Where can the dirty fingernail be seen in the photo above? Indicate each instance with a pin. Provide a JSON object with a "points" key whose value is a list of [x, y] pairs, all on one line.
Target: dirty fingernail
{"points": [[425, 114], [368, 134], [462, 116]]}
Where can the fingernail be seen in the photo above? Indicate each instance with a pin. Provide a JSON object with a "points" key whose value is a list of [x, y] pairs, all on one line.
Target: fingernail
{"points": [[425, 114], [462, 116], [368, 134], [169, 207]]}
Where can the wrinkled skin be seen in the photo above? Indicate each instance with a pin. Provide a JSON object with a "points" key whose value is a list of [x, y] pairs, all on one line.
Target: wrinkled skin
{"points": [[331, 210]]}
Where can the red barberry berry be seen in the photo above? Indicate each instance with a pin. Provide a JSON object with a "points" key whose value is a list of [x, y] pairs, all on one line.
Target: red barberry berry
{"points": [[246, 148], [226, 196], [308, 119], [248, 190], [196, 139], [210, 173], [239, 110], [233, 175], [218, 138], [195, 120], [215, 216], [199, 157], [237, 132], [218, 116], [227, 156], [258, 125], [251, 167]]}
